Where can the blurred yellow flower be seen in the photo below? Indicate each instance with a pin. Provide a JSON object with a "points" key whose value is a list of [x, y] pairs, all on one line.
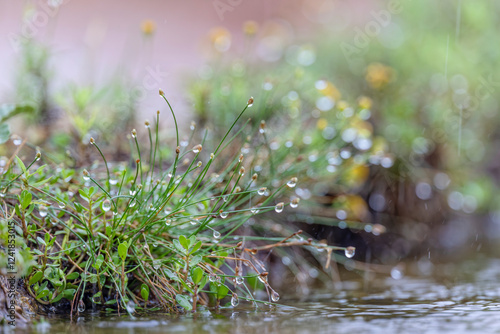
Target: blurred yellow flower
{"points": [[322, 123], [250, 27], [220, 39], [365, 102], [148, 27], [356, 175], [342, 105], [379, 75], [329, 89], [356, 207]]}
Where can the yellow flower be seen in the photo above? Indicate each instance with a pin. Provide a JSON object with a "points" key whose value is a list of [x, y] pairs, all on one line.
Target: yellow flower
{"points": [[365, 102], [148, 27], [322, 123], [356, 175], [379, 75], [342, 105], [220, 39], [329, 89], [250, 28]]}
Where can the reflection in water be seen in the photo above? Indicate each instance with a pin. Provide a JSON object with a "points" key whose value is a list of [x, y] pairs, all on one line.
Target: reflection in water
{"points": [[407, 305]]}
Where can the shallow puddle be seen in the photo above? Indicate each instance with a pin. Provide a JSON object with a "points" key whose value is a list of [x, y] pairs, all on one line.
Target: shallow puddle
{"points": [[408, 305]]}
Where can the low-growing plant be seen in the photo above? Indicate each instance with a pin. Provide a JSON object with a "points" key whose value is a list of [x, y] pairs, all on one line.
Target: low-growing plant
{"points": [[158, 233]]}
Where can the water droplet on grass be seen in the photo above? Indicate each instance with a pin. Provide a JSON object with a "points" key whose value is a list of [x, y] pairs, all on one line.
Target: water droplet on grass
{"points": [[62, 205], [274, 296], [239, 280], [234, 300], [262, 191], [81, 306], [292, 183], [106, 205], [43, 211], [349, 252], [279, 207], [216, 234], [223, 214]]}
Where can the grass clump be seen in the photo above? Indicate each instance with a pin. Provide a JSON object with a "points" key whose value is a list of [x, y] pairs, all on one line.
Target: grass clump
{"points": [[158, 232]]}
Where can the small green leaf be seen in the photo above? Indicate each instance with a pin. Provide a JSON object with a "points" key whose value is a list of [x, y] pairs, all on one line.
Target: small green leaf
{"points": [[184, 241], [21, 164], [72, 276], [197, 275], [57, 298], [42, 293], [25, 199], [35, 278], [192, 240], [98, 262], [69, 293], [145, 292], [122, 250], [179, 247], [195, 260], [47, 238], [4, 132], [222, 291], [196, 247], [184, 302], [40, 240]]}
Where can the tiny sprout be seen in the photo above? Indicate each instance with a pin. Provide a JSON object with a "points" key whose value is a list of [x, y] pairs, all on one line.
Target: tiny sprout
{"points": [[254, 177], [38, 156], [250, 102], [178, 150], [92, 140], [240, 159], [237, 189], [161, 92], [157, 112], [146, 124], [211, 156], [197, 148], [139, 186], [192, 126], [262, 126], [137, 161], [134, 133], [292, 183], [199, 164], [295, 202], [242, 171]]}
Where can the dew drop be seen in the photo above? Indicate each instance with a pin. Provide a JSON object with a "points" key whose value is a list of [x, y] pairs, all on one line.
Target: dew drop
{"points": [[86, 177], [292, 183], [274, 296], [168, 222], [132, 192], [113, 182], [225, 198], [254, 210], [130, 307], [212, 278], [156, 265], [234, 300], [16, 140], [223, 214], [81, 306], [61, 205], [295, 202], [132, 204], [106, 205], [96, 299], [349, 252], [197, 149], [43, 211], [262, 191], [216, 234], [279, 207], [239, 280], [194, 222]]}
